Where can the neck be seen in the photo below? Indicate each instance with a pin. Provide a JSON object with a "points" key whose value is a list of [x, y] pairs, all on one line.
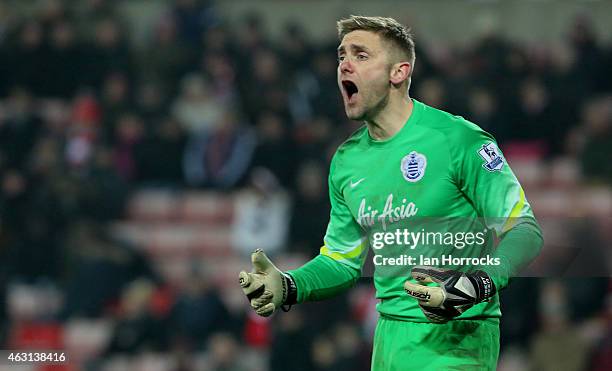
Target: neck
{"points": [[389, 120]]}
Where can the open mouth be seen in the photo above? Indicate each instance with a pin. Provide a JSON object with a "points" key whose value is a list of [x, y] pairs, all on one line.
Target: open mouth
{"points": [[350, 88]]}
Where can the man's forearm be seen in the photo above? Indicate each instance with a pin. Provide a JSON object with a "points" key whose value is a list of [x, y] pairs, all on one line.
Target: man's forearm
{"points": [[323, 278], [517, 248]]}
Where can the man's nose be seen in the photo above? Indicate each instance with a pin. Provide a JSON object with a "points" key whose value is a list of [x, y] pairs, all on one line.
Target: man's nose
{"points": [[346, 66]]}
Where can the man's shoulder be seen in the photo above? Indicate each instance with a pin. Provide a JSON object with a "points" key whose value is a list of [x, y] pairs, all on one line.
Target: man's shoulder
{"points": [[353, 141], [454, 127], [438, 119], [348, 149]]}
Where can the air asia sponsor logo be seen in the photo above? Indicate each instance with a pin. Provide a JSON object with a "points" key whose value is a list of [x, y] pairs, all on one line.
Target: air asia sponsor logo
{"points": [[367, 216]]}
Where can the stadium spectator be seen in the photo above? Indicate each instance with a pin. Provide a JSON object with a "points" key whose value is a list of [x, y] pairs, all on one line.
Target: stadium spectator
{"points": [[597, 142], [261, 215], [167, 58], [98, 270], [168, 137], [199, 312], [221, 157], [108, 53], [197, 109], [292, 340], [137, 329], [310, 209], [275, 148]]}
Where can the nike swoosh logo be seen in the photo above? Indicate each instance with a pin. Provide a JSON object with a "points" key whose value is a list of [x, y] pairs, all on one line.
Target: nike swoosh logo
{"points": [[353, 185]]}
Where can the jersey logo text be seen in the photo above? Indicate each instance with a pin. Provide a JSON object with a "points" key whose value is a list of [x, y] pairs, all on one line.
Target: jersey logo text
{"points": [[367, 217]]}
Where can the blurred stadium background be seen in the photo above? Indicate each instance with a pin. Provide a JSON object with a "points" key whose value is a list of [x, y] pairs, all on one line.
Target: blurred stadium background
{"points": [[146, 147]]}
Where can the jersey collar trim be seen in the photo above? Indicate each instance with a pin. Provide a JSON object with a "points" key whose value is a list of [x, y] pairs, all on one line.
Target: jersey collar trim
{"points": [[412, 120]]}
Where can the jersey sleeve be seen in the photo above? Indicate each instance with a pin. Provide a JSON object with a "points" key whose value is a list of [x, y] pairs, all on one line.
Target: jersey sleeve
{"points": [[344, 239], [485, 178]]}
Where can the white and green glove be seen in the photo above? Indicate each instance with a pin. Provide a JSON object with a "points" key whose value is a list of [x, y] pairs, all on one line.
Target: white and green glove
{"points": [[456, 291], [266, 287]]}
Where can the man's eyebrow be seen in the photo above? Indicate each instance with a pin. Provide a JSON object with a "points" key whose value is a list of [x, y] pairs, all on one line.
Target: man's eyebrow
{"points": [[360, 48], [355, 48]]}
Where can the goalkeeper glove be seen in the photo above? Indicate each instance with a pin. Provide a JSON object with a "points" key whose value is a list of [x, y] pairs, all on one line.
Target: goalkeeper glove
{"points": [[266, 287], [456, 293]]}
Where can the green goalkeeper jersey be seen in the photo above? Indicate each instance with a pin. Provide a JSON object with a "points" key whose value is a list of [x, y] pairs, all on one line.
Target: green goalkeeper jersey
{"points": [[440, 175]]}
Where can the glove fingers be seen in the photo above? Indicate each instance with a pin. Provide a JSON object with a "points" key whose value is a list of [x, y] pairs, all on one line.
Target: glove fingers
{"points": [[263, 286], [266, 310], [427, 296], [262, 300], [427, 274]]}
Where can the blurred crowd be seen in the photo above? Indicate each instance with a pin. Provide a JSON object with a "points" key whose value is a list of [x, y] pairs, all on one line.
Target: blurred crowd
{"points": [[87, 118]]}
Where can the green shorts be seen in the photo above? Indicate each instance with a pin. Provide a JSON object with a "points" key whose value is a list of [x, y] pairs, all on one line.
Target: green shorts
{"points": [[456, 345]]}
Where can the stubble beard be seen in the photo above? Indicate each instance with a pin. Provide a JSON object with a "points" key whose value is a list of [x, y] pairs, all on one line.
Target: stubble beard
{"points": [[356, 116], [370, 110]]}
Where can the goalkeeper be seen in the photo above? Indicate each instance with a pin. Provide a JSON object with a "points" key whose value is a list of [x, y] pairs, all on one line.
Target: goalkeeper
{"points": [[415, 167]]}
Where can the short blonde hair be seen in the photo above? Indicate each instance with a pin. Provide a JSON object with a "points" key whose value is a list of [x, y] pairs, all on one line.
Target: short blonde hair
{"points": [[390, 29]]}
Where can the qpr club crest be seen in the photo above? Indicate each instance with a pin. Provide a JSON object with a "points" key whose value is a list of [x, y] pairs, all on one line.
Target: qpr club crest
{"points": [[413, 166], [493, 159]]}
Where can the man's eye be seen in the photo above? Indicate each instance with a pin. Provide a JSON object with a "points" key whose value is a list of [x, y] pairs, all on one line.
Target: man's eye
{"points": [[362, 57], [340, 58]]}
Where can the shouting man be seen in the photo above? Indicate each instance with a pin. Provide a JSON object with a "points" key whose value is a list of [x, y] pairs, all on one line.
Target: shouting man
{"points": [[432, 196]]}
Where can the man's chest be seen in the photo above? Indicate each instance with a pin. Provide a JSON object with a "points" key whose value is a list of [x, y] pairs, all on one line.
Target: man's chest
{"points": [[388, 186]]}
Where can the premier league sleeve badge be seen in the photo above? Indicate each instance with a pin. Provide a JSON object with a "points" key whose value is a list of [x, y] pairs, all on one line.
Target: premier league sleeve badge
{"points": [[493, 159]]}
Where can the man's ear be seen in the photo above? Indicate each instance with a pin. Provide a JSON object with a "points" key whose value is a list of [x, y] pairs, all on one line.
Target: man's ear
{"points": [[400, 72]]}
